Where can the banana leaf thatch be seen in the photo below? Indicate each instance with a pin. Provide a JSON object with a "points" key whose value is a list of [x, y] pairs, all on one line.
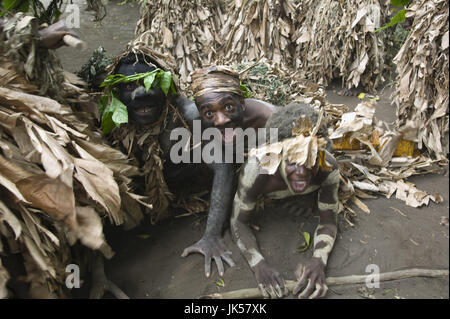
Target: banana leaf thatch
{"points": [[421, 94]]}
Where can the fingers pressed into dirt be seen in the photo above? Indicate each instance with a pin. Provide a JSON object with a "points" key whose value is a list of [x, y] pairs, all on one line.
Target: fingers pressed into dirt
{"points": [[228, 259], [207, 265], [308, 290]]}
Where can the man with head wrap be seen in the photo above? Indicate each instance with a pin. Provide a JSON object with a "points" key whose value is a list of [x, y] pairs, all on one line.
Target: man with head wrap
{"points": [[220, 102], [221, 105]]}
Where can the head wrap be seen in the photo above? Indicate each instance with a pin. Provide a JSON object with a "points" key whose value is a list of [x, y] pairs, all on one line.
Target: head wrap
{"points": [[215, 79]]}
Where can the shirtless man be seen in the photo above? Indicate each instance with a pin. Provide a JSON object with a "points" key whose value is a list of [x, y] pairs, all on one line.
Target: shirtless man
{"points": [[291, 178], [221, 105]]}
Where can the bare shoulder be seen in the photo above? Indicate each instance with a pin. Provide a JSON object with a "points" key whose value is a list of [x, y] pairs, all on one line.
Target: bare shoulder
{"points": [[187, 108], [329, 173], [254, 103], [257, 112]]}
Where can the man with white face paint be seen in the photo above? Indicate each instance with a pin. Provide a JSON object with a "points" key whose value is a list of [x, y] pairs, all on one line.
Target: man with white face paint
{"points": [[301, 165]]}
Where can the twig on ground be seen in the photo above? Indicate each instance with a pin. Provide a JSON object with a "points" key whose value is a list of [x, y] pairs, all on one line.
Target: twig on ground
{"points": [[334, 281]]}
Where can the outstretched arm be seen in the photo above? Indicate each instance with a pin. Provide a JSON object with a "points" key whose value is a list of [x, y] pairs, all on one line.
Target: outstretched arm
{"points": [[312, 274], [211, 244], [270, 282]]}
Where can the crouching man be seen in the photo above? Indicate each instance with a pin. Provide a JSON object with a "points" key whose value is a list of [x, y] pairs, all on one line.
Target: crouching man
{"points": [[297, 165]]}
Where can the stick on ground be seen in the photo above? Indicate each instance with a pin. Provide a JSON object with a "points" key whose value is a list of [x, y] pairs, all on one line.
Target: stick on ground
{"points": [[334, 281]]}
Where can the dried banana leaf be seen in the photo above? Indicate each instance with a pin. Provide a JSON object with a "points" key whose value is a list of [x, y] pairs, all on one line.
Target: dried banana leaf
{"points": [[422, 93]]}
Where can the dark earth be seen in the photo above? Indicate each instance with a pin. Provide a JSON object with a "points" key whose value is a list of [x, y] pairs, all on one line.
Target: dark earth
{"points": [[148, 262]]}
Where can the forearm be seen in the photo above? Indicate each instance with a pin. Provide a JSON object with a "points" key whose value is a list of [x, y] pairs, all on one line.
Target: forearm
{"points": [[244, 204], [221, 198], [328, 205], [325, 235], [243, 235]]}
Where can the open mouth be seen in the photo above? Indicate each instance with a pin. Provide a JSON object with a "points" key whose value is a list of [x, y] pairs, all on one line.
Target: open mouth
{"points": [[228, 135], [145, 110], [299, 185]]}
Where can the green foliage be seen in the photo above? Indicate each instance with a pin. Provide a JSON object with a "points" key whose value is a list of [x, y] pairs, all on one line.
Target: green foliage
{"points": [[246, 93], [399, 17], [114, 114], [14, 6], [49, 15], [157, 78], [113, 111], [95, 66], [258, 79], [306, 244], [400, 3]]}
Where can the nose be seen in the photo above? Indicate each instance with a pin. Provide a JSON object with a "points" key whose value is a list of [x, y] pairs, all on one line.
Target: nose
{"points": [[138, 92], [221, 119], [300, 169]]}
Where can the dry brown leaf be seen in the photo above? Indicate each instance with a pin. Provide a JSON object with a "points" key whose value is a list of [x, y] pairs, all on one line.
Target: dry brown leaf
{"points": [[11, 219], [89, 227], [4, 277], [99, 183]]}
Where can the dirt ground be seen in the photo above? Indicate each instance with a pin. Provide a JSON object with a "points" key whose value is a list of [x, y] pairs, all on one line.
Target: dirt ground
{"points": [[393, 237]]}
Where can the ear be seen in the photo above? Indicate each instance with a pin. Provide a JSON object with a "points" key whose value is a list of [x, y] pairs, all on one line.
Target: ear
{"points": [[242, 101]]}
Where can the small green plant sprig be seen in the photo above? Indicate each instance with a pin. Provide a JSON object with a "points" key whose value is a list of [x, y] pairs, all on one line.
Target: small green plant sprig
{"points": [[113, 112], [400, 15], [246, 93]]}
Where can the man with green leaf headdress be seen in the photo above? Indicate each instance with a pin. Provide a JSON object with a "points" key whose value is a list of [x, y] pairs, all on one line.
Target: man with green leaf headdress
{"points": [[138, 111]]}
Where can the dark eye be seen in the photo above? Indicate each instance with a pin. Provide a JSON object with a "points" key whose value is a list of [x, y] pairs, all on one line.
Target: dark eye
{"points": [[129, 86], [229, 107], [209, 114]]}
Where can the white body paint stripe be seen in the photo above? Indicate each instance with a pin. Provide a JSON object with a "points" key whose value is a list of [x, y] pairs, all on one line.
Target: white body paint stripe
{"points": [[332, 178], [324, 251], [255, 257], [324, 206]]}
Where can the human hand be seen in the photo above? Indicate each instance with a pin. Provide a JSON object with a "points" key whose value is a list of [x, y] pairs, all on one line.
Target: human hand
{"points": [[52, 36], [211, 247], [311, 274], [270, 282]]}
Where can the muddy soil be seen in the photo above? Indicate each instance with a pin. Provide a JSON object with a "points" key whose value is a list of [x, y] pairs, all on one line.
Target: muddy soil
{"points": [[393, 236]]}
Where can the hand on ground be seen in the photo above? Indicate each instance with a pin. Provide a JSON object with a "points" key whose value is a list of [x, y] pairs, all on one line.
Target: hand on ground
{"points": [[211, 247]]}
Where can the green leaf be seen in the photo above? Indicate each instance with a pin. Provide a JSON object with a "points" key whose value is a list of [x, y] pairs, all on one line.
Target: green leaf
{"points": [[166, 81], [361, 96], [114, 114], [107, 123], [220, 283], [148, 81], [400, 3], [387, 291], [143, 236], [173, 88], [112, 80], [102, 103], [120, 115], [306, 244], [400, 16], [246, 93], [11, 4], [115, 79]]}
